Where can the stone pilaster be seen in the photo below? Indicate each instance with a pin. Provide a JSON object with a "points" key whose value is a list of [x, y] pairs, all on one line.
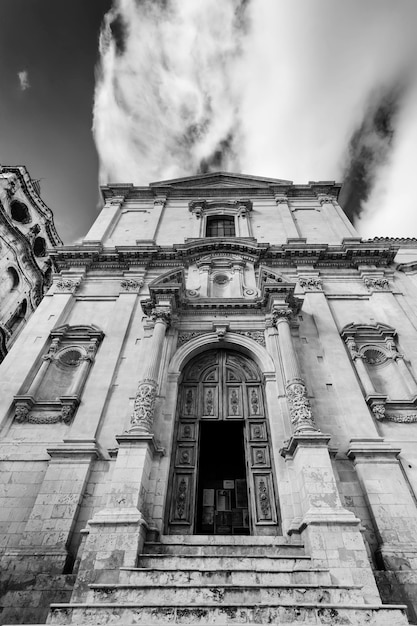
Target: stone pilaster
{"points": [[116, 534], [331, 533], [393, 509], [49, 527]]}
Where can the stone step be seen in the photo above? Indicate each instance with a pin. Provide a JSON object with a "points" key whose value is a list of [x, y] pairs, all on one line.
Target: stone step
{"points": [[220, 548], [251, 540], [273, 613], [225, 562], [220, 594], [152, 576]]}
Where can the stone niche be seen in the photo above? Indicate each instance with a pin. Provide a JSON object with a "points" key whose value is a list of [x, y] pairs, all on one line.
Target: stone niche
{"points": [[54, 393]]}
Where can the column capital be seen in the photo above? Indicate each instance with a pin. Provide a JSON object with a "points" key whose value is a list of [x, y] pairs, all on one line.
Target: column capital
{"points": [[281, 314], [156, 313]]}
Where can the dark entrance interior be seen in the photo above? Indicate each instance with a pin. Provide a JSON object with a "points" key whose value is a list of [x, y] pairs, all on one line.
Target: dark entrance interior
{"points": [[222, 498]]}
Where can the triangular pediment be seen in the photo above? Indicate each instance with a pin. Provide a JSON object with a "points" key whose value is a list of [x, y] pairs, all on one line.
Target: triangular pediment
{"points": [[221, 179]]}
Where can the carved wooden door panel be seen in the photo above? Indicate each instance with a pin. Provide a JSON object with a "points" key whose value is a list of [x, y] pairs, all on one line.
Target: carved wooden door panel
{"points": [[216, 386]]}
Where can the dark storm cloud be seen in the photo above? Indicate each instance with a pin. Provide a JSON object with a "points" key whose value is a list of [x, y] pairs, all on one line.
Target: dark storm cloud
{"points": [[370, 147]]}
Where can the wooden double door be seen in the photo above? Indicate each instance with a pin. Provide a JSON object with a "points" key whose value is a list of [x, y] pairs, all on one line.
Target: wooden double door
{"points": [[221, 479]]}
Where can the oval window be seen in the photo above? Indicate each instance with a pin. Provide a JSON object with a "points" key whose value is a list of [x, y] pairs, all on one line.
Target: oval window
{"points": [[39, 246], [20, 212]]}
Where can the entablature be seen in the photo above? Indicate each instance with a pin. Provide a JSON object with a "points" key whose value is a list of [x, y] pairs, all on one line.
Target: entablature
{"points": [[351, 253]]}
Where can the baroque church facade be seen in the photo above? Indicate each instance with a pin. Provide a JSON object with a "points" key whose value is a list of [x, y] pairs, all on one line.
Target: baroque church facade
{"points": [[27, 231], [211, 417]]}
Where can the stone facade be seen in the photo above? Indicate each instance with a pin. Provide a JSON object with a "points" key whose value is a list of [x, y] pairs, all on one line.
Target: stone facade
{"points": [[27, 231], [212, 416]]}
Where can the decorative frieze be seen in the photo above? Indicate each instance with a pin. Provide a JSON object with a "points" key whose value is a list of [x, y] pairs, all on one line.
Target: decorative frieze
{"points": [[184, 337], [255, 335], [67, 285]]}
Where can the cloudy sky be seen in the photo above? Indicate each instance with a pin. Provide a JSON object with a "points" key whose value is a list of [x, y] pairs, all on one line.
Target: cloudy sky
{"points": [[295, 89]]}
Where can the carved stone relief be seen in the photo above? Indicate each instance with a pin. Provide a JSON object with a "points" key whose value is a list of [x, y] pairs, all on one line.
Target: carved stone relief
{"points": [[129, 284], [67, 285], [144, 406], [300, 408], [310, 283], [376, 283]]}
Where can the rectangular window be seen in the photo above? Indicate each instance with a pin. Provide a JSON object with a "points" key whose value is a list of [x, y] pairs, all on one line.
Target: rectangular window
{"points": [[223, 226]]}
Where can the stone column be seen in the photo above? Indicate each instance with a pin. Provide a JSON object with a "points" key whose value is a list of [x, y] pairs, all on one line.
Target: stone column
{"points": [[144, 406], [295, 388]]}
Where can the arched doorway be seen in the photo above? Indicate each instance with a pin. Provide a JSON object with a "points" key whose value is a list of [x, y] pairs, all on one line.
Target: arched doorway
{"points": [[221, 479]]}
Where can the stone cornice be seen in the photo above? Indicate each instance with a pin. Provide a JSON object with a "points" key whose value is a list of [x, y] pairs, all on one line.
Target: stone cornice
{"points": [[349, 254]]}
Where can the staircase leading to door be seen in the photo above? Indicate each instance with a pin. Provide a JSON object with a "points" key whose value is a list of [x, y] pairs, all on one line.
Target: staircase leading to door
{"points": [[225, 580]]}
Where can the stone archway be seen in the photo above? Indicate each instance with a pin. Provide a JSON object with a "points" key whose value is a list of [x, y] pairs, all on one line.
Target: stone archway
{"points": [[221, 478]]}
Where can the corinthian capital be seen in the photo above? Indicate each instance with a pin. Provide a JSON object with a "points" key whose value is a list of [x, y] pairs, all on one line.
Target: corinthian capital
{"points": [[281, 314]]}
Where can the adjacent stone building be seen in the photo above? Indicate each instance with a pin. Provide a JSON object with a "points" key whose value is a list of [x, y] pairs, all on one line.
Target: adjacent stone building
{"points": [[211, 417], [26, 232]]}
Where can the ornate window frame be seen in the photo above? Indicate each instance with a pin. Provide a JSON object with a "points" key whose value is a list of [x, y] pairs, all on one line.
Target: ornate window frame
{"points": [[375, 345], [71, 347], [238, 209]]}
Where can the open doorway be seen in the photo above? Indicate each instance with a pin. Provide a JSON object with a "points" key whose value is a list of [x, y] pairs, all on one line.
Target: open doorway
{"points": [[222, 496]]}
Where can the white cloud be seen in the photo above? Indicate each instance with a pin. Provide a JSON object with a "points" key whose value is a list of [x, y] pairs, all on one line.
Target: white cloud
{"points": [[23, 80], [284, 95]]}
